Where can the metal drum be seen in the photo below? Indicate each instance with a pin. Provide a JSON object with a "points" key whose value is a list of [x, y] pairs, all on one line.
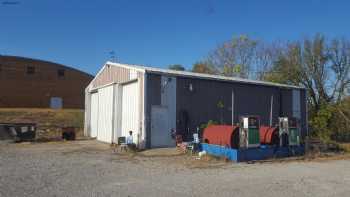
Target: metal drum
{"points": [[223, 135]]}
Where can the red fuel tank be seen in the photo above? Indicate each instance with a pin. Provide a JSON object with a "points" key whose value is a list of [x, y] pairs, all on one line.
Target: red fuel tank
{"points": [[269, 135], [224, 135]]}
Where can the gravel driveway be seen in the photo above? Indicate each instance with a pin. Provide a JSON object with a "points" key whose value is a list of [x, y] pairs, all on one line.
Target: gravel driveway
{"points": [[89, 168]]}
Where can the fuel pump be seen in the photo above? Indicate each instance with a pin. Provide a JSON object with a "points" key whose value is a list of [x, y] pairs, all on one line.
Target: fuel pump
{"points": [[294, 132], [289, 131], [283, 131], [249, 136]]}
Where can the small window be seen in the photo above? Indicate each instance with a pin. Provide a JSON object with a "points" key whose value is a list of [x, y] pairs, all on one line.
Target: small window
{"points": [[30, 70], [60, 72]]}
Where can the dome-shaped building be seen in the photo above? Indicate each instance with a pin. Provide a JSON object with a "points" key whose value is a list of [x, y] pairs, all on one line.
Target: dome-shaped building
{"points": [[32, 83]]}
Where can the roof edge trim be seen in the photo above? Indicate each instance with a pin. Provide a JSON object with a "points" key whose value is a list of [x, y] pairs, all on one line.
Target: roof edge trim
{"points": [[202, 75]]}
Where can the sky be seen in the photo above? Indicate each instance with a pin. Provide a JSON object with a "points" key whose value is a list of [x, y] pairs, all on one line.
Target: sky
{"points": [[82, 33]]}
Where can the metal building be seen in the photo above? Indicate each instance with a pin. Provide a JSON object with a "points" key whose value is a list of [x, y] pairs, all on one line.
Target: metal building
{"points": [[33, 83], [153, 101]]}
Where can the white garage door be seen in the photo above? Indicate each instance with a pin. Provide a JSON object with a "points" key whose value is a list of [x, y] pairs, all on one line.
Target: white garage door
{"points": [[130, 110], [105, 114], [94, 115]]}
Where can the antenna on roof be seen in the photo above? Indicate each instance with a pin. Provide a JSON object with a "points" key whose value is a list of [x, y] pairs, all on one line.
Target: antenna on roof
{"points": [[112, 57]]}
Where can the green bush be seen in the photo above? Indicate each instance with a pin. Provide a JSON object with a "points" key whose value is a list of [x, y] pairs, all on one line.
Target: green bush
{"points": [[320, 123]]}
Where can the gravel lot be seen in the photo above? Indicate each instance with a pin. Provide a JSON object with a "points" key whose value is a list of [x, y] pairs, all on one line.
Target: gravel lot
{"points": [[89, 168]]}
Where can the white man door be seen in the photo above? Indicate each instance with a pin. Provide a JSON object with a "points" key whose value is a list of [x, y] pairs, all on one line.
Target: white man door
{"points": [[160, 129]]}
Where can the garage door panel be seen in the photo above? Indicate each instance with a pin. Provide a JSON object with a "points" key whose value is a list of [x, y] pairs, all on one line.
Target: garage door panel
{"points": [[130, 110], [105, 114], [94, 115]]}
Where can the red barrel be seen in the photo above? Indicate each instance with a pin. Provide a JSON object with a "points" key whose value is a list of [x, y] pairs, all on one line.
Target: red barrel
{"points": [[223, 135], [268, 135]]}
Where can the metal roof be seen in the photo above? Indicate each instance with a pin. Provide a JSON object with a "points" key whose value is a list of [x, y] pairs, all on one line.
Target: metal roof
{"points": [[200, 75]]}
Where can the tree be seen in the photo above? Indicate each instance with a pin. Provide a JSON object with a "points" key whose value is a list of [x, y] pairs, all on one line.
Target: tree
{"points": [[339, 53], [234, 57], [202, 67], [266, 56], [320, 66], [323, 68], [176, 67], [340, 122]]}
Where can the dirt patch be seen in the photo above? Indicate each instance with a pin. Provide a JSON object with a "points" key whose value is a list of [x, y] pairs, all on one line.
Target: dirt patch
{"points": [[161, 152], [207, 162], [327, 157], [90, 168]]}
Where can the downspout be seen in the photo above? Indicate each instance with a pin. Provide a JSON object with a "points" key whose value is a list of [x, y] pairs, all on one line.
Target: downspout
{"points": [[271, 110], [145, 117], [280, 103], [233, 108]]}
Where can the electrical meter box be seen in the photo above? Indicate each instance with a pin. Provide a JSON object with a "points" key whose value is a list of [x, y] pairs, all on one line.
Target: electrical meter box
{"points": [[249, 136], [289, 133]]}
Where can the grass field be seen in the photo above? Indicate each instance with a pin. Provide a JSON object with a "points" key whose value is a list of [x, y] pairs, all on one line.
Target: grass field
{"points": [[49, 121]]}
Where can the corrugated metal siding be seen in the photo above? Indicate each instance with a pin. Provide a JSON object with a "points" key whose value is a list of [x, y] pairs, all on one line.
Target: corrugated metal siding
{"points": [[141, 109], [111, 74], [153, 97], [154, 90], [304, 120], [163, 116], [286, 103], [296, 104], [201, 103]]}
